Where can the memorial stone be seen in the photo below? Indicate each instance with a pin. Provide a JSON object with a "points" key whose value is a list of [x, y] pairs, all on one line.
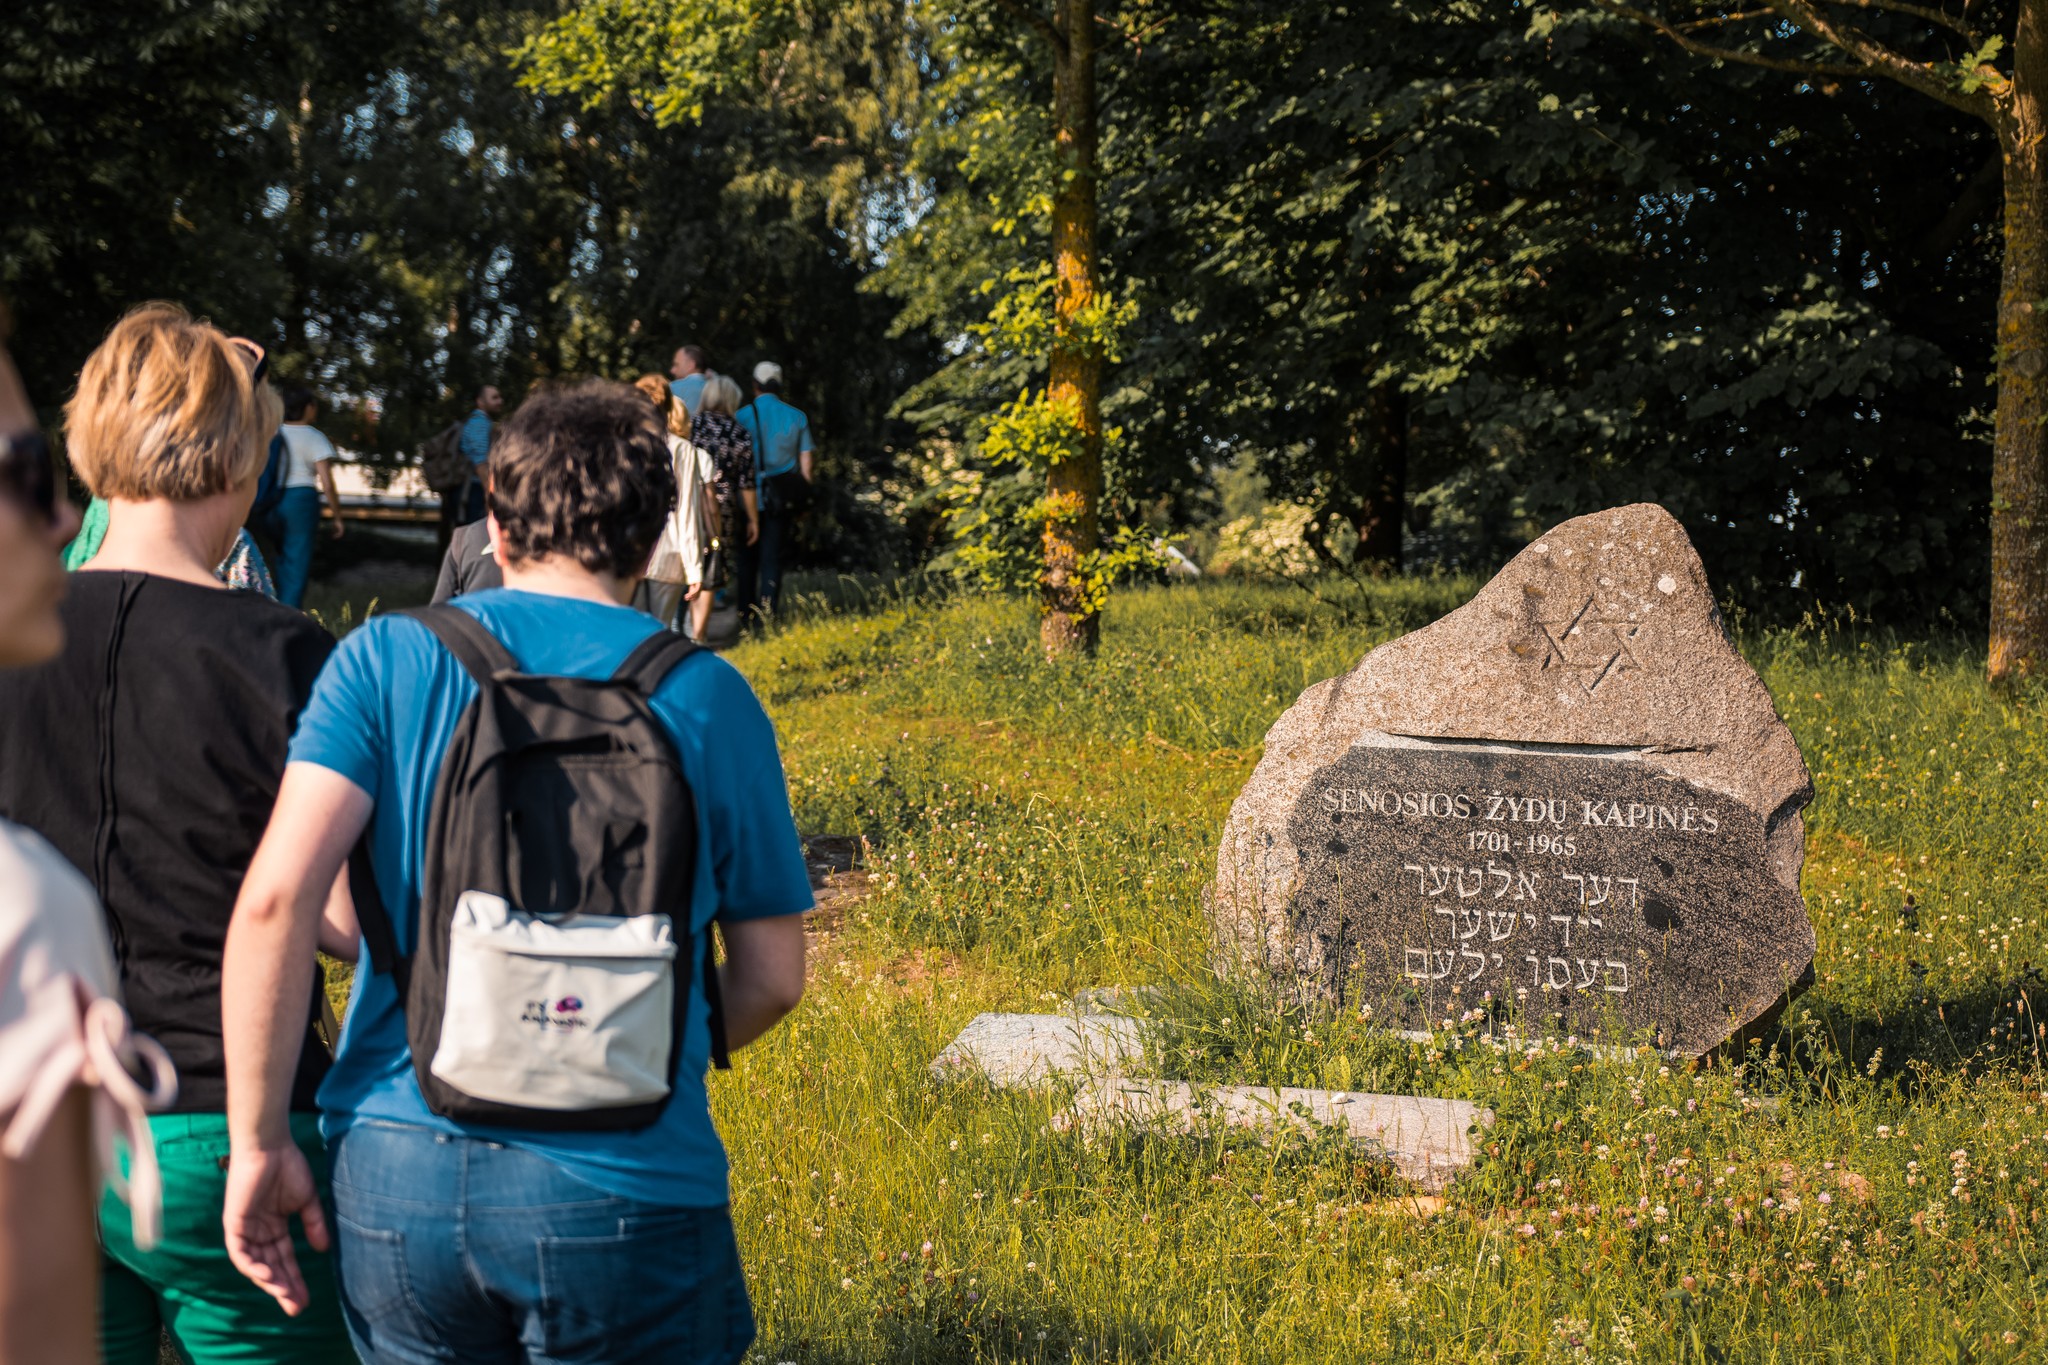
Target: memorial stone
{"points": [[1570, 797]]}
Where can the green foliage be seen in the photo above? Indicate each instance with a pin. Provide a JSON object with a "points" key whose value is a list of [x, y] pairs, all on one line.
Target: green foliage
{"points": [[1594, 270], [1869, 1192], [669, 57]]}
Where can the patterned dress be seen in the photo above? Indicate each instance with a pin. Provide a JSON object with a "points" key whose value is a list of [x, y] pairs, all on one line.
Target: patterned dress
{"points": [[732, 460]]}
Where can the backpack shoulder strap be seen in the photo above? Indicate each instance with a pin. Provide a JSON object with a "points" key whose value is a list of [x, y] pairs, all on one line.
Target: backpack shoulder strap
{"points": [[653, 658], [475, 648], [651, 661], [374, 921]]}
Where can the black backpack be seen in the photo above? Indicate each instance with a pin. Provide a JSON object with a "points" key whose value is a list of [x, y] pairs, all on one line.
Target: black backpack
{"points": [[561, 810]]}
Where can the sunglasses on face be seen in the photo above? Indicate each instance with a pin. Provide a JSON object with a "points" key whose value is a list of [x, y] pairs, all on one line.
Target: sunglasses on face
{"points": [[27, 473]]}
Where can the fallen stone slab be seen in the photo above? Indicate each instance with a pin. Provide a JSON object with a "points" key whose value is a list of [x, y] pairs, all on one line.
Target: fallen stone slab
{"points": [[1428, 1141], [1017, 1050]]}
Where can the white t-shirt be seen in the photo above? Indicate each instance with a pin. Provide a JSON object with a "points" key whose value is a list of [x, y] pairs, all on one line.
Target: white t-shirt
{"points": [[304, 447]]}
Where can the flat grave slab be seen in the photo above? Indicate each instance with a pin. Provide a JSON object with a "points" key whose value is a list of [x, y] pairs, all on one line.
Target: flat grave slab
{"points": [[1017, 1050], [1428, 1141]]}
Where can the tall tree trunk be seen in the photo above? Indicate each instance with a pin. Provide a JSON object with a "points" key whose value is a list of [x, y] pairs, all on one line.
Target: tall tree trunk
{"points": [[1074, 485], [2019, 458], [1386, 491]]}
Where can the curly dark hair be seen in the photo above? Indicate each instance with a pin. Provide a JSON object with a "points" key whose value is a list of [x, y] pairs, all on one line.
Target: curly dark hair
{"points": [[583, 471]]}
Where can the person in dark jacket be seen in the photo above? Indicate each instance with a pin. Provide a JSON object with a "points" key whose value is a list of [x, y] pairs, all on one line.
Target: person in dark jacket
{"points": [[471, 564], [149, 753]]}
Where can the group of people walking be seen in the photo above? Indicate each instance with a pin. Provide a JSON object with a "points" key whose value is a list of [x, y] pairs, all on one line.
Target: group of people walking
{"points": [[521, 815], [743, 475]]}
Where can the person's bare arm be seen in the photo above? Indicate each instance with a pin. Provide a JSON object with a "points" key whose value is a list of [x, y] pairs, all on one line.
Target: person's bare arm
{"points": [[763, 977], [266, 987], [806, 463], [340, 934], [751, 500], [49, 1256], [324, 471]]}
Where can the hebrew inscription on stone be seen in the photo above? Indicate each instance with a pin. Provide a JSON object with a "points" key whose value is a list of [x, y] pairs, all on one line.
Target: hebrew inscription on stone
{"points": [[1580, 887]]}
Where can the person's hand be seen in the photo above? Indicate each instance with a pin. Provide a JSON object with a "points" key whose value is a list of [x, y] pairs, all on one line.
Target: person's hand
{"points": [[266, 1187], [338, 528], [690, 592], [753, 530]]}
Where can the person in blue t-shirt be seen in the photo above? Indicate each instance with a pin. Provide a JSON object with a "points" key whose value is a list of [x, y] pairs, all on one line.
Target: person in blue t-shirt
{"points": [[782, 480], [689, 372], [498, 1243], [476, 448]]}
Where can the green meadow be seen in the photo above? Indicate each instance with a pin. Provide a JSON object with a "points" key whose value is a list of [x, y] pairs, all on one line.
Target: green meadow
{"points": [[1865, 1185]]}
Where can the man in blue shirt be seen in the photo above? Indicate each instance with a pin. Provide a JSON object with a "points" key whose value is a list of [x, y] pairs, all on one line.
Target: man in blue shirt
{"points": [[460, 1240], [782, 480], [476, 448], [688, 371]]}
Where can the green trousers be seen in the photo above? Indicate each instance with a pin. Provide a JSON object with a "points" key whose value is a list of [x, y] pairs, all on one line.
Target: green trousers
{"points": [[187, 1288]]}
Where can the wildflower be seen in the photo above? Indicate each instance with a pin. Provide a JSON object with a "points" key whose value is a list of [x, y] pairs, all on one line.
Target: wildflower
{"points": [[954, 1145], [925, 1250], [1826, 1198], [846, 1282], [904, 1257], [974, 1296], [1031, 1265], [1526, 1230], [1663, 1239]]}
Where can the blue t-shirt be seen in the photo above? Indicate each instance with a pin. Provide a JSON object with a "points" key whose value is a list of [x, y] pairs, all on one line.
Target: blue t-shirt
{"points": [[780, 432], [690, 390], [476, 437], [382, 714]]}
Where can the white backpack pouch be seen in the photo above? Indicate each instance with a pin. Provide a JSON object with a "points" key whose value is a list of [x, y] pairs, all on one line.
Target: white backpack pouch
{"points": [[568, 1014]]}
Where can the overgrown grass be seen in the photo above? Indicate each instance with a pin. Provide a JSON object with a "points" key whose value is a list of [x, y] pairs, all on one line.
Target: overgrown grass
{"points": [[1871, 1191]]}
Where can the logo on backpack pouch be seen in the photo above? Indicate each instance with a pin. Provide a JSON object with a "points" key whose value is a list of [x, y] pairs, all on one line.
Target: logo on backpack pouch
{"points": [[563, 1014]]}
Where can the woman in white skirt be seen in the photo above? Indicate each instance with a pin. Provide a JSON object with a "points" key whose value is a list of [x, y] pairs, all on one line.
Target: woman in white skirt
{"points": [[675, 573]]}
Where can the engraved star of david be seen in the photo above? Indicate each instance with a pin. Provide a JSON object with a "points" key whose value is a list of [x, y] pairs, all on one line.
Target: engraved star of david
{"points": [[1593, 663]]}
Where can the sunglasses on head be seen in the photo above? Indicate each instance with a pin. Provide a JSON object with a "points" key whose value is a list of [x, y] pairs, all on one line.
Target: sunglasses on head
{"points": [[27, 473], [259, 359]]}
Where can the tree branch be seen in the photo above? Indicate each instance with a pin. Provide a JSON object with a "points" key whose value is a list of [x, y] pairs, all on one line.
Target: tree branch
{"points": [[1045, 27], [1934, 16], [1872, 57], [1884, 62], [1796, 66]]}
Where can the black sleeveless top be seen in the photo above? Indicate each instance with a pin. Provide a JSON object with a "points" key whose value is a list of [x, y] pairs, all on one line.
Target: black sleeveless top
{"points": [[149, 753]]}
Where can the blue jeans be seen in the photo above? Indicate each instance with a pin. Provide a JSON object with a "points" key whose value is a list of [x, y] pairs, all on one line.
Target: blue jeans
{"points": [[295, 521], [457, 1249], [760, 576]]}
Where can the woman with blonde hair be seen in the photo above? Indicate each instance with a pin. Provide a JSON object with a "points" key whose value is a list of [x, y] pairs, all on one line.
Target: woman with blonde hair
{"points": [[149, 752], [676, 572], [62, 1050], [718, 430]]}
